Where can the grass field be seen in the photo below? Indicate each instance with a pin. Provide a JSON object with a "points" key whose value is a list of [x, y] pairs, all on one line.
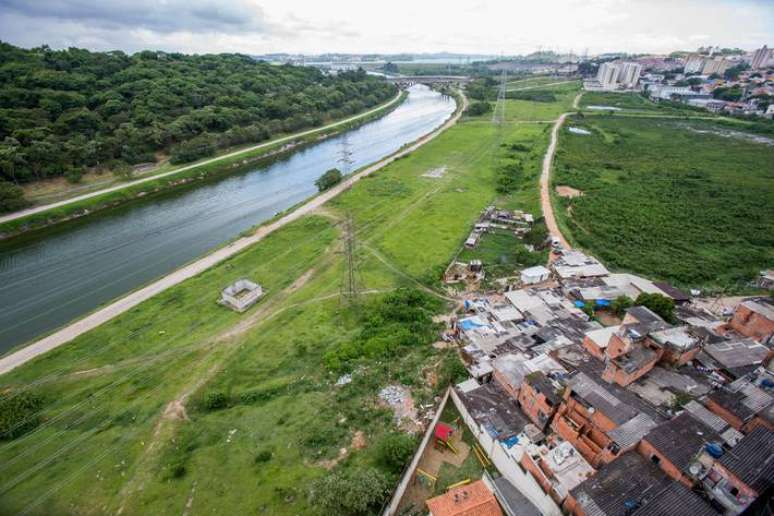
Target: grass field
{"points": [[257, 416], [679, 200]]}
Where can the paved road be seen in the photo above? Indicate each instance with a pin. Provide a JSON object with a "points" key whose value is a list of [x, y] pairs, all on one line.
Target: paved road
{"points": [[545, 179], [38, 209], [128, 302]]}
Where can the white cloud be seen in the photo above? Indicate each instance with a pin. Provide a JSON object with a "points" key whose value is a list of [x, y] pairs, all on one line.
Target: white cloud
{"points": [[484, 26]]}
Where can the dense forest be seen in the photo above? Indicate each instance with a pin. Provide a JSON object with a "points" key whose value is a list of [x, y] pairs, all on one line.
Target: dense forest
{"points": [[65, 111]]}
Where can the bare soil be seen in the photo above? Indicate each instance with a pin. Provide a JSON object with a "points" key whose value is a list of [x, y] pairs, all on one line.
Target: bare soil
{"points": [[568, 191]]}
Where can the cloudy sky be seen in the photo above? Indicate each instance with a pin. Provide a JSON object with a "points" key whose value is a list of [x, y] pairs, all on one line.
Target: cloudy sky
{"points": [[309, 26]]}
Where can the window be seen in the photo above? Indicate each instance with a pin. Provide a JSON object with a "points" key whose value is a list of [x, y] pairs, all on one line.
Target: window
{"points": [[734, 491], [654, 459]]}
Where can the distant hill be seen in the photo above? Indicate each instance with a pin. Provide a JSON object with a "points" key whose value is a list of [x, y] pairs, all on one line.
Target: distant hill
{"points": [[64, 111]]}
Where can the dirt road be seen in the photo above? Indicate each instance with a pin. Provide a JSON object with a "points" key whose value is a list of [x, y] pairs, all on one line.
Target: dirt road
{"points": [[38, 209], [545, 178], [128, 302]]}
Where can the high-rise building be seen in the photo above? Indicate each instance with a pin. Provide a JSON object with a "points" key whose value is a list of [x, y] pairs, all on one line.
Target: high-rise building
{"points": [[630, 74], [694, 64], [607, 75], [718, 66], [761, 58], [614, 75]]}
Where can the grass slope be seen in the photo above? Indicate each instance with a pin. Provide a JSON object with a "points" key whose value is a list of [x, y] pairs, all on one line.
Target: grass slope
{"points": [[673, 199]]}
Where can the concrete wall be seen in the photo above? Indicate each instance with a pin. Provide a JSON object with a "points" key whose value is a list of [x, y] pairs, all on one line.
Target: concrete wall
{"points": [[392, 507], [507, 465]]}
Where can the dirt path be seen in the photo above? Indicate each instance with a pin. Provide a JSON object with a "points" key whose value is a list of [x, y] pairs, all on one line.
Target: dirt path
{"points": [[545, 178], [129, 301], [38, 209]]}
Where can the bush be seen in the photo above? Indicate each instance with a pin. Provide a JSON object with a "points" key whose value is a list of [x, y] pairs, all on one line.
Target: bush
{"points": [[452, 370], [509, 177], [620, 304], [19, 414], [328, 180], [360, 491], [215, 401], [11, 197], [263, 456], [663, 306], [394, 451], [479, 108]]}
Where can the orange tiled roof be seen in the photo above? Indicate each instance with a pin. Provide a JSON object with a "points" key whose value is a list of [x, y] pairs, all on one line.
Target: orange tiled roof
{"points": [[469, 500]]}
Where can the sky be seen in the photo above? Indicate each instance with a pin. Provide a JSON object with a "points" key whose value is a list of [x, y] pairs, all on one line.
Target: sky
{"points": [[491, 27]]}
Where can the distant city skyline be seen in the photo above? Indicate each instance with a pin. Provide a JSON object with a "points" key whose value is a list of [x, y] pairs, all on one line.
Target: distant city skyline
{"points": [[401, 26]]}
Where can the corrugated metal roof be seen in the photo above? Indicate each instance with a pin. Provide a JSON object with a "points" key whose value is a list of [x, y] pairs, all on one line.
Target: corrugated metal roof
{"points": [[752, 459], [632, 431]]}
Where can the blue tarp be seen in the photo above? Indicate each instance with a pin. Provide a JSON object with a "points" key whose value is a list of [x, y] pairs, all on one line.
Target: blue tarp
{"points": [[579, 304], [602, 302], [511, 441], [469, 324]]}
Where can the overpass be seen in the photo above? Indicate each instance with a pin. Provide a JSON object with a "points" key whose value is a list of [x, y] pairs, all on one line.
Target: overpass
{"points": [[406, 81]]}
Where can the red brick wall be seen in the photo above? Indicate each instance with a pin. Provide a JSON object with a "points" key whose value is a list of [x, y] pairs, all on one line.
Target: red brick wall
{"points": [[613, 373], [571, 506], [672, 357], [755, 423], [751, 324], [536, 472], [532, 403], [616, 347], [647, 450], [593, 349], [730, 418]]}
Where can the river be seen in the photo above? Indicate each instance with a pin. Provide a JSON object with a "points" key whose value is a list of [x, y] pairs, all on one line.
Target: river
{"points": [[51, 277]]}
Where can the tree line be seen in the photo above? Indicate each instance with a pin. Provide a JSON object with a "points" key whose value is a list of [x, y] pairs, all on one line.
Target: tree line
{"points": [[63, 112]]}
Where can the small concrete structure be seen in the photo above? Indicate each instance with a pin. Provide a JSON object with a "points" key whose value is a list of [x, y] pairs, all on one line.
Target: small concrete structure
{"points": [[241, 295], [536, 274]]}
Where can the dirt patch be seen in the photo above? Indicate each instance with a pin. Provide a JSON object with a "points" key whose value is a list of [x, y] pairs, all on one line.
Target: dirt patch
{"points": [[436, 173], [359, 440], [176, 410], [568, 191], [329, 464]]}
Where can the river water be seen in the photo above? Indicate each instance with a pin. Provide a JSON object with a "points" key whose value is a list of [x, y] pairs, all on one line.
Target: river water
{"points": [[54, 276]]}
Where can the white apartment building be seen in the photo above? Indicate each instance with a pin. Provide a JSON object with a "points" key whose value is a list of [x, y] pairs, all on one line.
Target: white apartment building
{"points": [[761, 58], [718, 66], [694, 64], [619, 75]]}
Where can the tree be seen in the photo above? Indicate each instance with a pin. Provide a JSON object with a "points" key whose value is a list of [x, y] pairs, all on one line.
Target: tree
{"points": [[19, 413], [395, 450], [356, 492], [328, 179], [662, 306], [620, 305], [11, 197]]}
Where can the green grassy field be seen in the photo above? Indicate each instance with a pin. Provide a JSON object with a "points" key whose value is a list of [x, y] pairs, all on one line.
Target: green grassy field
{"points": [[258, 417], [679, 200]]}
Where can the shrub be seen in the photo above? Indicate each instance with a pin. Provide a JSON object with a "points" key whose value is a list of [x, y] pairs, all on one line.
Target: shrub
{"points": [[215, 401], [620, 304], [360, 491], [660, 305], [394, 451], [19, 414], [263, 456], [11, 197], [479, 108], [452, 370]]}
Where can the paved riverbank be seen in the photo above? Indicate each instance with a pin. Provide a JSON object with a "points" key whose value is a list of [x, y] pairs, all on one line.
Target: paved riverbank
{"points": [[126, 303]]}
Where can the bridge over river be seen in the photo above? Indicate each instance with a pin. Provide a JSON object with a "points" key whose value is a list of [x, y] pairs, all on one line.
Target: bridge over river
{"points": [[406, 81]]}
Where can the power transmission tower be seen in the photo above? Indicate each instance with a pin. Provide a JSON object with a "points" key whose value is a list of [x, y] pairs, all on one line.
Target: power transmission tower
{"points": [[349, 289], [498, 116], [344, 159]]}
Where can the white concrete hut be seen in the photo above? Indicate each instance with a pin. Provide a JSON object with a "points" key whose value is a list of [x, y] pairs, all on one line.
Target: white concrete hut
{"points": [[241, 295], [536, 274]]}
